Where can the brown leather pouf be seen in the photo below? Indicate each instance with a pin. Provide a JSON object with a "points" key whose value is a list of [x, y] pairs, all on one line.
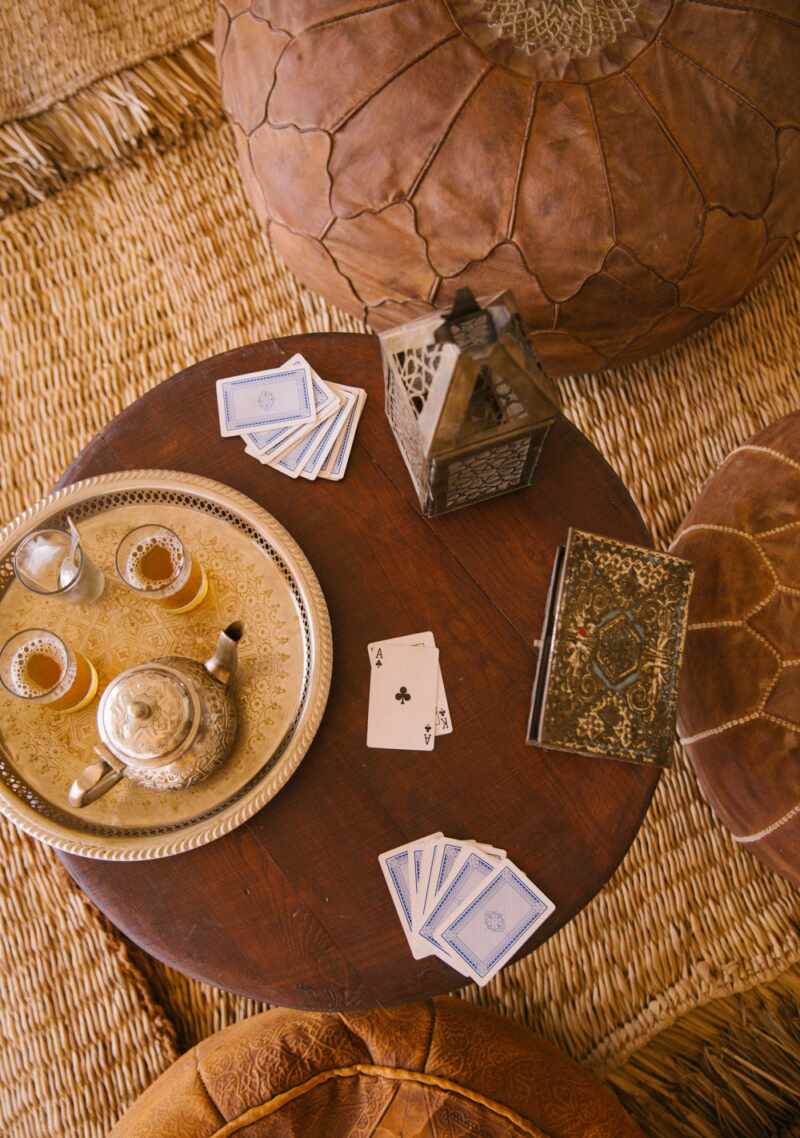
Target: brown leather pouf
{"points": [[739, 702], [437, 1070], [629, 169]]}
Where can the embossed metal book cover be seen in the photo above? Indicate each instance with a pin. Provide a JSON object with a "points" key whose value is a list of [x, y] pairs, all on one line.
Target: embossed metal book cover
{"points": [[607, 677]]}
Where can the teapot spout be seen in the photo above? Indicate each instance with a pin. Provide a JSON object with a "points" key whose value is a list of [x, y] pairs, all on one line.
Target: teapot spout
{"points": [[222, 664]]}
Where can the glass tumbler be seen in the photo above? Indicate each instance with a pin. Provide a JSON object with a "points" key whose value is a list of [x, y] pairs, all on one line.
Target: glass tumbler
{"points": [[42, 563], [153, 562], [37, 665]]}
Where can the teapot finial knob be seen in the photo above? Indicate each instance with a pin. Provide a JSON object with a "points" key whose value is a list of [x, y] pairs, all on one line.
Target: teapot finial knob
{"points": [[141, 710]]}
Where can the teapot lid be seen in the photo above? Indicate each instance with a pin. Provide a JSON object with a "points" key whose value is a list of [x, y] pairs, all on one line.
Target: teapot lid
{"points": [[148, 715]]}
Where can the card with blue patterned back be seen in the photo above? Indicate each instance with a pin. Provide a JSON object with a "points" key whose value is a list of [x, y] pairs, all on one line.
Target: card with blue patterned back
{"points": [[280, 397], [395, 865], [462, 884], [495, 922]]}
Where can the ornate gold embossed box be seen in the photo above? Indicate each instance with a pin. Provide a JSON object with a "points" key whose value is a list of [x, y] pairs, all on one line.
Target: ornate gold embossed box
{"points": [[468, 401], [610, 655]]}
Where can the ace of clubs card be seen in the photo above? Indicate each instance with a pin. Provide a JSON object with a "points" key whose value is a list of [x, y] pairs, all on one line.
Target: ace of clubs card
{"points": [[402, 698]]}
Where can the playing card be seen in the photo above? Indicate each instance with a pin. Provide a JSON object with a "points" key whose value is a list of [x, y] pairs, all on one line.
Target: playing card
{"points": [[448, 852], [489, 927], [395, 867], [280, 397], [417, 851], [335, 464], [426, 888], [421, 858], [402, 698], [452, 854], [326, 400], [492, 852], [291, 459], [444, 724], [284, 441], [325, 403], [262, 442], [297, 455], [472, 869], [327, 439]]}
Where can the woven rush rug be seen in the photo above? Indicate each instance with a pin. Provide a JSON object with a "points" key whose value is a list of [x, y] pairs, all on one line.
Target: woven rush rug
{"points": [[51, 50], [127, 252]]}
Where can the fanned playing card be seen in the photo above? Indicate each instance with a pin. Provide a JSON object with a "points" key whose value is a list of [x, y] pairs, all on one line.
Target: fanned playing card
{"points": [[335, 464], [396, 867], [264, 400], [489, 926], [472, 868]]}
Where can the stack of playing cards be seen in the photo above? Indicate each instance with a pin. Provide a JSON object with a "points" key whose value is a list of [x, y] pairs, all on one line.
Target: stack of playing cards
{"points": [[407, 701], [464, 902], [292, 420]]}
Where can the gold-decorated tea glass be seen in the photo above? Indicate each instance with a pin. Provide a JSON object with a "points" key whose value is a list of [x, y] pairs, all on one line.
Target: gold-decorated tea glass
{"points": [[153, 562], [36, 665]]}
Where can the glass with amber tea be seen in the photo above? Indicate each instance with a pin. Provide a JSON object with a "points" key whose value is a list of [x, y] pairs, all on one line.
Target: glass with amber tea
{"points": [[154, 562], [37, 665]]}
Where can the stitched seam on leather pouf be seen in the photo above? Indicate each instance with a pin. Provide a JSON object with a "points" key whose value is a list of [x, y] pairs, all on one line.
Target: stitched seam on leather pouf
{"points": [[204, 1086], [768, 450], [687, 740], [745, 839], [431, 1030], [271, 1106]]}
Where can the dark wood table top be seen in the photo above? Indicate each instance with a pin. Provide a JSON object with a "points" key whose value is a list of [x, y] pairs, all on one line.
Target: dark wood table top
{"points": [[291, 907]]}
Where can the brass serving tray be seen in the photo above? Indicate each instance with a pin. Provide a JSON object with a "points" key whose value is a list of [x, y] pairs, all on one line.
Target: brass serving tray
{"points": [[257, 574]]}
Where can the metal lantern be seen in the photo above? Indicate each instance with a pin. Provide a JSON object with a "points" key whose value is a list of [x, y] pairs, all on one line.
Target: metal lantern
{"points": [[468, 402]]}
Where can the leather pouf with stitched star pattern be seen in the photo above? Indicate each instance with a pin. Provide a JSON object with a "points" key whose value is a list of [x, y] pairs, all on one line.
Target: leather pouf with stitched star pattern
{"points": [[739, 700], [629, 170], [443, 1069]]}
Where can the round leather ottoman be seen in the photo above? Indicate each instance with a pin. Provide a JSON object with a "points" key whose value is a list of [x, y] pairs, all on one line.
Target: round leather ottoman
{"points": [[437, 1070], [739, 700], [628, 169]]}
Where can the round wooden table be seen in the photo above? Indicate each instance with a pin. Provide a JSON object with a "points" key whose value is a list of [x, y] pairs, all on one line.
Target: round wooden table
{"points": [[291, 907]]}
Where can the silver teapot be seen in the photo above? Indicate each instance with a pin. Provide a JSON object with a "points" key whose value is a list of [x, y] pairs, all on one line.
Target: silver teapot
{"points": [[165, 724]]}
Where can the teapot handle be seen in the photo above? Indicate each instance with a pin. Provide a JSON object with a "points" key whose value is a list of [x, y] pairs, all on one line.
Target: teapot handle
{"points": [[93, 782]]}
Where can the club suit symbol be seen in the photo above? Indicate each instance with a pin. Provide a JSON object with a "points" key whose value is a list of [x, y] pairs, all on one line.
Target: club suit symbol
{"points": [[404, 695]]}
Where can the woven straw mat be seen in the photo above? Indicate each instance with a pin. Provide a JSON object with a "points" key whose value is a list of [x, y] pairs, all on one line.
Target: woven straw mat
{"points": [[131, 272], [52, 49]]}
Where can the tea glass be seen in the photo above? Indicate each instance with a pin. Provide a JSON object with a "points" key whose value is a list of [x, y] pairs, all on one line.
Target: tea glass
{"points": [[43, 565], [154, 563], [37, 666]]}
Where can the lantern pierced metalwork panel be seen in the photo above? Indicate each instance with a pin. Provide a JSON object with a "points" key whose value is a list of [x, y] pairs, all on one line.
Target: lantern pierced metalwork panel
{"points": [[468, 402]]}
